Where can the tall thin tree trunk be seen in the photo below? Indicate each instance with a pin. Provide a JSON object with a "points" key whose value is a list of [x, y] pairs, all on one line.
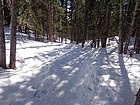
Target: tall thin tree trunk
{"points": [[12, 64], [98, 42], [120, 46], [66, 15], [2, 40], [43, 31], [77, 23], [6, 13], [85, 24], [62, 37], [77, 34], [95, 41], [131, 27], [35, 36], [71, 38], [95, 33], [71, 17], [50, 22], [104, 37], [137, 42]]}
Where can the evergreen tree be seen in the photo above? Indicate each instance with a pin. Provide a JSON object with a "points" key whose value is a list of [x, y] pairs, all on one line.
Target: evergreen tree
{"points": [[14, 10], [7, 16], [131, 26], [120, 47], [2, 39]]}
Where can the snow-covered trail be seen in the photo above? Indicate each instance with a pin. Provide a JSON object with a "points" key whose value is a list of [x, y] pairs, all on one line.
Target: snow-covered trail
{"points": [[86, 78], [58, 74]]}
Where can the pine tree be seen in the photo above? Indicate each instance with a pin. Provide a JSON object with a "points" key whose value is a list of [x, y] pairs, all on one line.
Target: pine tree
{"points": [[131, 27], [14, 10], [120, 47], [106, 25], [85, 22], [50, 21], [2, 39], [7, 16]]}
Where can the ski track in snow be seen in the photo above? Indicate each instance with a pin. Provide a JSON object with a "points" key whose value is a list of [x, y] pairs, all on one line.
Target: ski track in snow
{"points": [[66, 74]]}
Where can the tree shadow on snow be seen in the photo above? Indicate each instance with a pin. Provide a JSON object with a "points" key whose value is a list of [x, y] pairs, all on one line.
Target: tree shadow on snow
{"points": [[126, 91], [73, 77], [51, 84]]}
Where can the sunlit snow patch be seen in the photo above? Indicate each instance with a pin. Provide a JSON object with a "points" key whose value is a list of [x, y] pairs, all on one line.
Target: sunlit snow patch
{"points": [[106, 81]]}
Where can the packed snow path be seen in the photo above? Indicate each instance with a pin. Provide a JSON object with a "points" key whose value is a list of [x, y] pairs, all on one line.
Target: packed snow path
{"points": [[66, 74]]}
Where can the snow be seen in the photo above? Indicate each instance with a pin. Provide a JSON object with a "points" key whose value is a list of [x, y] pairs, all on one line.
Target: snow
{"points": [[66, 74]]}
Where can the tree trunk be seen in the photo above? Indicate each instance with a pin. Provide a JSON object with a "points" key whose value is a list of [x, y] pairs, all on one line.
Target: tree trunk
{"points": [[85, 25], [77, 23], [104, 37], [95, 41], [6, 13], [98, 42], [137, 42], [66, 20], [131, 27], [50, 22], [35, 35], [71, 38], [62, 37], [12, 64], [43, 31], [77, 40], [137, 101], [120, 46], [2, 40]]}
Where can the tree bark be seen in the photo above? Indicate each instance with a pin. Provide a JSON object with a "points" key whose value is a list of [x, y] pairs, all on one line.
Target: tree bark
{"points": [[131, 27], [85, 24], [12, 64], [120, 46], [2, 39], [104, 37], [95, 41], [137, 101], [50, 22], [6, 13], [137, 42], [66, 20]]}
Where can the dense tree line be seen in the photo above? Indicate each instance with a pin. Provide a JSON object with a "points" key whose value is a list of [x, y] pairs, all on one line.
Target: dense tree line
{"points": [[77, 20]]}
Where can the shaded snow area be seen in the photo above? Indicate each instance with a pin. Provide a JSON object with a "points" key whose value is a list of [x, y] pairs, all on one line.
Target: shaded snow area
{"points": [[66, 74]]}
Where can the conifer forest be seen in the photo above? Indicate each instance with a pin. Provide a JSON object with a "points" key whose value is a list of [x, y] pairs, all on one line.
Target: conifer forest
{"points": [[82, 31]]}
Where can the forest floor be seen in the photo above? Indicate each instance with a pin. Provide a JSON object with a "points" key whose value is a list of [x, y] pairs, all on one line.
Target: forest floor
{"points": [[66, 74]]}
